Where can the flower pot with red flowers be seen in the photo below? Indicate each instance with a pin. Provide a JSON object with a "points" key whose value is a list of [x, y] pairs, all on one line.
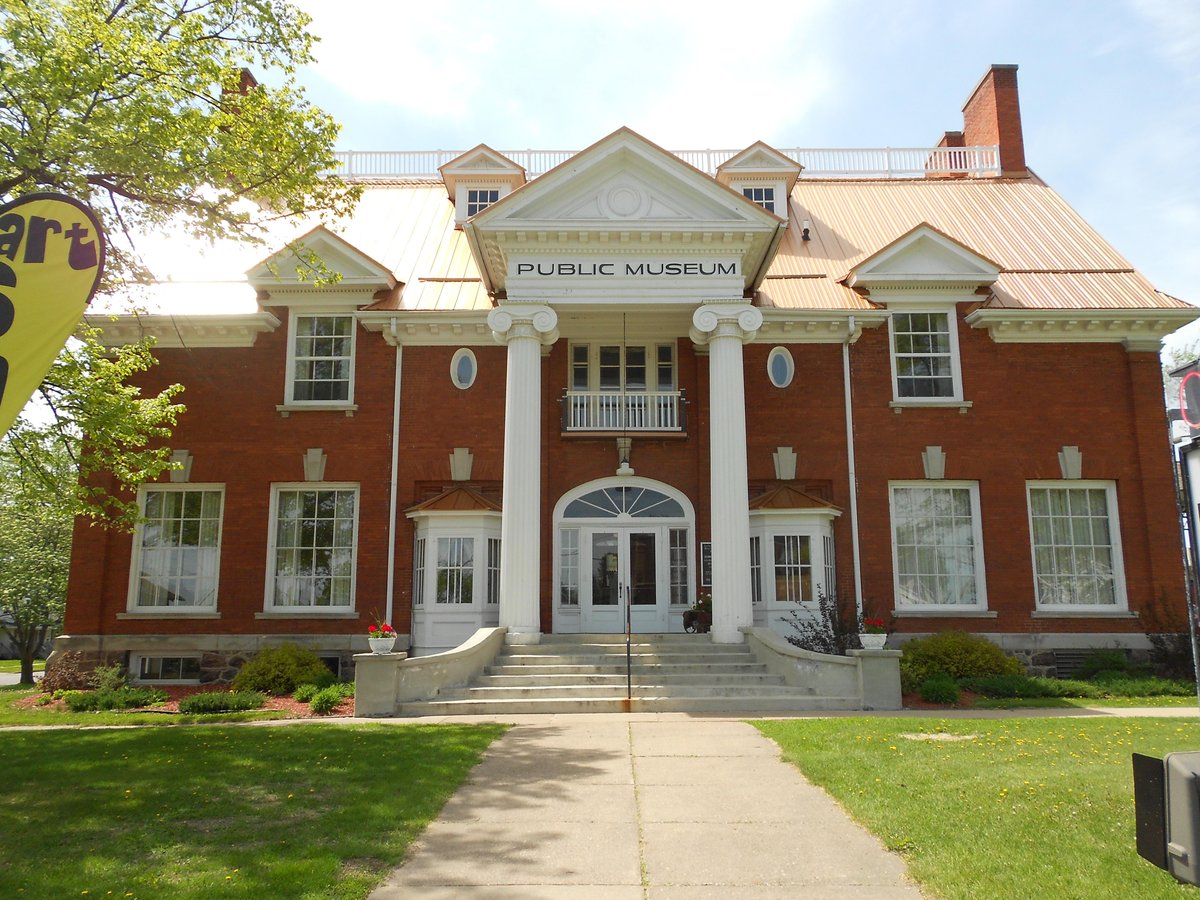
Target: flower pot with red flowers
{"points": [[874, 634], [698, 619], [381, 637]]}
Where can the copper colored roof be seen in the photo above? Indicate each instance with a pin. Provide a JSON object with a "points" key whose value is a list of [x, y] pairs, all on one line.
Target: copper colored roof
{"points": [[456, 499], [787, 497]]}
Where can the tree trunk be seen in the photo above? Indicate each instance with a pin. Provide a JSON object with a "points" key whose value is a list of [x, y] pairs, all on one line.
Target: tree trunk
{"points": [[28, 640]]}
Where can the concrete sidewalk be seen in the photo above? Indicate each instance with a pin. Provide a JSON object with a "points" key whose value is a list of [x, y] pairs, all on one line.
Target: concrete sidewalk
{"points": [[626, 807]]}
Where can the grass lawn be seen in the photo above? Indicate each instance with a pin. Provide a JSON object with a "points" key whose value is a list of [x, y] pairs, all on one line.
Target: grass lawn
{"points": [[1039, 808], [1081, 703], [11, 715], [13, 666], [311, 811]]}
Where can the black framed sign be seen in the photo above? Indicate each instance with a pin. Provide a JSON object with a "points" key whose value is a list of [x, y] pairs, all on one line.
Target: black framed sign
{"points": [[706, 563]]}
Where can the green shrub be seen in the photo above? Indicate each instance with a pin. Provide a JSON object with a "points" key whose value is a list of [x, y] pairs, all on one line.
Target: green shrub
{"points": [[221, 701], [110, 678], [327, 698], [1024, 686], [1103, 661], [939, 688], [954, 653], [122, 698], [280, 670], [305, 692], [1116, 685]]}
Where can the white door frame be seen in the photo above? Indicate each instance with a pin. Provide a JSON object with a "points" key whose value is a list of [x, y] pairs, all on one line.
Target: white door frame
{"points": [[645, 618]]}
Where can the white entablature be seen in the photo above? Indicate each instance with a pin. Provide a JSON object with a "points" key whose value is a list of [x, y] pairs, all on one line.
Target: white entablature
{"points": [[623, 220]]}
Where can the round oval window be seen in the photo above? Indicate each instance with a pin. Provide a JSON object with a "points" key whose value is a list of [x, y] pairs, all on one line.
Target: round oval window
{"points": [[780, 367], [463, 369]]}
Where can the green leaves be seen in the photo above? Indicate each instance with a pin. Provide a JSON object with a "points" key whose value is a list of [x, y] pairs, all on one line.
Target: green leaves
{"points": [[140, 107]]}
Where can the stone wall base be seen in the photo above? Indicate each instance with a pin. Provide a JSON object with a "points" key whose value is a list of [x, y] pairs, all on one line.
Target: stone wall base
{"points": [[221, 655]]}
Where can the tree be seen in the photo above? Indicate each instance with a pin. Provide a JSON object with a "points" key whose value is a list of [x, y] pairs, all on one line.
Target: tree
{"points": [[144, 108], [35, 547]]}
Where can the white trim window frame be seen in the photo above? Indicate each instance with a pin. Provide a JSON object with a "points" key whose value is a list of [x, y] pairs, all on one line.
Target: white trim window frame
{"points": [[937, 546], [1075, 546], [926, 367], [454, 570], [320, 358], [788, 558], [312, 547], [176, 560], [165, 670]]}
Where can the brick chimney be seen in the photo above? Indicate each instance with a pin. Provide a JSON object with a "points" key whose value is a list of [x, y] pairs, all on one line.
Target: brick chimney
{"points": [[992, 115]]}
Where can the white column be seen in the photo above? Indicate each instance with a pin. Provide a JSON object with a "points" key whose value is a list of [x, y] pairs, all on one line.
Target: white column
{"points": [[725, 327], [524, 328]]}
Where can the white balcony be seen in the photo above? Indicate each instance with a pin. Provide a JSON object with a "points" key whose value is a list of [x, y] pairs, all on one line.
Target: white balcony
{"points": [[632, 411]]}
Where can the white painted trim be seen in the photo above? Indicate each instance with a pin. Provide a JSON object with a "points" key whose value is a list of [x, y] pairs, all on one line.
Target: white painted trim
{"points": [[1118, 557], [775, 353], [977, 537], [393, 475], [269, 607], [951, 313], [851, 469], [236, 330], [463, 352], [1139, 330], [809, 523], [135, 563], [291, 405]]}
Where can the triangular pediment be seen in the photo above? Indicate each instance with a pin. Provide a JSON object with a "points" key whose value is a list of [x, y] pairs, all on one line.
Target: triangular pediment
{"points": [[759, 160], [924, 255], [481, 164], [623, 195], [309, 260]]}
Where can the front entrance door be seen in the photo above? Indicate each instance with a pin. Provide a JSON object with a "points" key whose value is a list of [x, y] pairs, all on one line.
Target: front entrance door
{"points": [[626, 572]]}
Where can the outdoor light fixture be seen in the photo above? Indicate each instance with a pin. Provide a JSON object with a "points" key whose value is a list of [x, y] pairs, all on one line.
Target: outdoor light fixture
{"points": [[805, 227]]}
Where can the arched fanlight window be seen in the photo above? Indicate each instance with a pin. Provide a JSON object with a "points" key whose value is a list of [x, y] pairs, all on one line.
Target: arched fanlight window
{"points": [[463, 369], [608, 503], [780, 367]]}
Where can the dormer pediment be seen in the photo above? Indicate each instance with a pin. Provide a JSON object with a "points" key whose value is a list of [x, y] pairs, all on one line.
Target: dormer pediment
{"points": [[924, 257], [297, 268], [759, 161], [481, 164]]}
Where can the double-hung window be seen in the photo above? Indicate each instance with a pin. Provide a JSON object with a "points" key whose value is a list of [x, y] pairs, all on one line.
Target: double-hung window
{"points": [[925, 356], [321, 362], [1077, 562], [455, 570], [313, 547], [177, 549], [937, 546]]}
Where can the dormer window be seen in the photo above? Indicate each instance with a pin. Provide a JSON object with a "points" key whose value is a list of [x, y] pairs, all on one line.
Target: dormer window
{"points": [[479, 199], [763, 196]]}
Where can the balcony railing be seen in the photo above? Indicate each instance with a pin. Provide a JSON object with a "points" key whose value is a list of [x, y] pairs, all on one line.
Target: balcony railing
{"points": [[638, 411], [880, 162]]}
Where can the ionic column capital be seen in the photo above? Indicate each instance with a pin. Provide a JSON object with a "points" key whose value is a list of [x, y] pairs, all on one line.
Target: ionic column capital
{"points": [[534, 321], [718, 320]]}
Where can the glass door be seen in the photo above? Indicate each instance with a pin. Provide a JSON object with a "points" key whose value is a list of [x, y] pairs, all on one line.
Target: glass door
{"points": [[624, 568]]}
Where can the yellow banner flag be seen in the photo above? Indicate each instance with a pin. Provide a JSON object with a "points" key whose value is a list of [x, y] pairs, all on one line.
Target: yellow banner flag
{"points": [[51, 260]]}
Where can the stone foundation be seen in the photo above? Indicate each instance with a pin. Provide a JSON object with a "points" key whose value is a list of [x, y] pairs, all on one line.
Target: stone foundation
{"points": [[221, 656]]}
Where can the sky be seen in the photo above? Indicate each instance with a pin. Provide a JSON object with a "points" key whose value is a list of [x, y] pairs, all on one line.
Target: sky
{"points": [[1109, 89]]}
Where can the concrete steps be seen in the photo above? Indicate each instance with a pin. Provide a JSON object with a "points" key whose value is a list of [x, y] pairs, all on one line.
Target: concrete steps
{"points": [[586, 673]]}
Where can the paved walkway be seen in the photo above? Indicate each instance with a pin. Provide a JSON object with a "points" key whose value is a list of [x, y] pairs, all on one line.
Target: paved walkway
{"points": [[642, 808]]}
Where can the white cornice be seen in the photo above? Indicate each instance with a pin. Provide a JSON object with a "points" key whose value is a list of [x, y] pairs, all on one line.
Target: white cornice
{"points": [[240, 330], [1140, 330], [457, 329], [816, 326]]}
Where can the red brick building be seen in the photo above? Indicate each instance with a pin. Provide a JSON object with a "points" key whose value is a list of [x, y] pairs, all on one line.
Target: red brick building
{"points": [[548, 388]]}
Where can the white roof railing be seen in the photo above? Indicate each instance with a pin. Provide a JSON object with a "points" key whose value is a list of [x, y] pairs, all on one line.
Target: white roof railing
{"points": [[882, 162]]}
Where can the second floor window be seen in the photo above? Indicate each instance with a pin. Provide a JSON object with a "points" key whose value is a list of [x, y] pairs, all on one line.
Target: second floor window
{"points": [[924, 356], [613, 367], [322, 359]]}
